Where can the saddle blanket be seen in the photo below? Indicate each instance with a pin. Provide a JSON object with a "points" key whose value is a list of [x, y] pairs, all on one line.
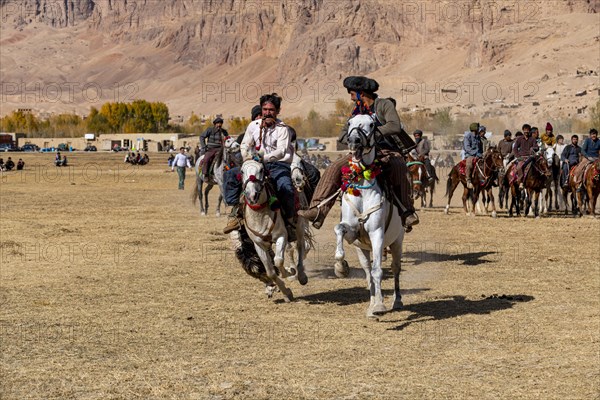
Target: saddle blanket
{"points": [[462, 166]]}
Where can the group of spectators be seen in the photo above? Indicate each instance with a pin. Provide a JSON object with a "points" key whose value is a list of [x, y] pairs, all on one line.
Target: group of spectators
{"points": [[321, 162], [9, 165], [137, 158]]}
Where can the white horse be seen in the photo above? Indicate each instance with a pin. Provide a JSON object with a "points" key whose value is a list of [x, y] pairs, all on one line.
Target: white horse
{"points": [[266, 227], [369, 221], [229, 155]]}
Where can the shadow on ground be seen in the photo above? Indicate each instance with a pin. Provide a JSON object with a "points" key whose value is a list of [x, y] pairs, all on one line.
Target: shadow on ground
{"points": [[433, 310], [474, 258], [348, 296]]}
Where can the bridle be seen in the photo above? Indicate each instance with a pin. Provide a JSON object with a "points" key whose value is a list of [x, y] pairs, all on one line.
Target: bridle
{"points": [[537, 160], [367, 139], [257, 180]]}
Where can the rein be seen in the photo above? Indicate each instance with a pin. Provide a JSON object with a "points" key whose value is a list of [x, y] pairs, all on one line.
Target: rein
{"points": [[268, 237]]}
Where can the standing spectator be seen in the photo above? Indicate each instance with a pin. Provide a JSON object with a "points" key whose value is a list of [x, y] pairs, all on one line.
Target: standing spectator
{"points": [[180, 162]]}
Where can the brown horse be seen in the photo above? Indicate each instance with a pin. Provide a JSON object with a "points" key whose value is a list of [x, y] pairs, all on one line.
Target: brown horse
{"points": [[418, 175], [591, 182], [535, 181], [570, 187], [484, 173], [588, 193]]}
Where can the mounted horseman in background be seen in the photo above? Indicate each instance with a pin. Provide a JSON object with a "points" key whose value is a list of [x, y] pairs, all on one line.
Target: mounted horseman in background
{"points": [[505, 147], [589, 150], [523, 150], [548, 138], [392, 143], [422, 152], [473, 149], [211, 142], [570, 159]]}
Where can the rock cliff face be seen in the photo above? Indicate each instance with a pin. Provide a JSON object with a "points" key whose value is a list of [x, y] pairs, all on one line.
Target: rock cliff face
{"points": [[296, 40]]}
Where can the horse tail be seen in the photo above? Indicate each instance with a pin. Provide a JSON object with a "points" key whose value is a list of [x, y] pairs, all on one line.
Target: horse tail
{"points": [[195, 192], [309, 238], [449, 183], [245, 252]]}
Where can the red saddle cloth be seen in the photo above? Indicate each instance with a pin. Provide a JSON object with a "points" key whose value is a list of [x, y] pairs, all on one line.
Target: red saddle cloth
{"points": [[519, 166], [462, 166]]}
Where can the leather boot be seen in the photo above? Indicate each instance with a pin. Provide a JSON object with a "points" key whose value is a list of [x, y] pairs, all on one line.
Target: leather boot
{"points": [[313, 215], [409, 219], [234, 222]]}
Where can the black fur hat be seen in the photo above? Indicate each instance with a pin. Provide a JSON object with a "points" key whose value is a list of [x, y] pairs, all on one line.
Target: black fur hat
{"points": [[361, 84], [256, 110]]}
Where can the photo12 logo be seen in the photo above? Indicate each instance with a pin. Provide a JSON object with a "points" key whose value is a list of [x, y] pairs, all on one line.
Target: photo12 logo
{"points": [[250, 92], [66, 92], [88, 172], [468, 92]]}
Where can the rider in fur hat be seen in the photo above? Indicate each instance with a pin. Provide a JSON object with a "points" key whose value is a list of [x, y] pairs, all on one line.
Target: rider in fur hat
{"points": [[392, 142]]}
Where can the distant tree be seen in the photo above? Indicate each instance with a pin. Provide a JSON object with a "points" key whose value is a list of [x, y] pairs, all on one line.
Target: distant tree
{"points": [[595, 116], [96, 122]]}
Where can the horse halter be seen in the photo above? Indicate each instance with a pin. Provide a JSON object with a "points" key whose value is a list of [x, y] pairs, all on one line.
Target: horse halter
{"points": [[256, 178], [537, 160], [367, 139]]}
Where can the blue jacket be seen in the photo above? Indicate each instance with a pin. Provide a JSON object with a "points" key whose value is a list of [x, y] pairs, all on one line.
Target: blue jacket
{"points": [[571, 154], [590, 148], [472, 145]]}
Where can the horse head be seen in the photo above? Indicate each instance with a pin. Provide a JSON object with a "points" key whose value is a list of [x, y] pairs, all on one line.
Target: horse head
{"points": [[298, 178], [541, 165], [231, 146], [549, 155], [232, 152], [494, 159], [253, 181], [416, 169], [361, 138]]}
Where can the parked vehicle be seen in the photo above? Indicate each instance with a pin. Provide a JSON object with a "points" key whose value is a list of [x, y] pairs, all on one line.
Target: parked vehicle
{"points": [[8, 147], [90, 147], [30, 147], [313, 144]]}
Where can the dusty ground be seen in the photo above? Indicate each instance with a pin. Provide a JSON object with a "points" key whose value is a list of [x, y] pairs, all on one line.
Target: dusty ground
{"points": [[113, 287]]}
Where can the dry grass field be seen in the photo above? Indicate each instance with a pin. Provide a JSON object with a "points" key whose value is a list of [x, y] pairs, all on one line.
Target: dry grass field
{"points": [[113, 287]]}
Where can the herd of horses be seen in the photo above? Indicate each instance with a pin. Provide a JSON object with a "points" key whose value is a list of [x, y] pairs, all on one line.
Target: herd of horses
{"points": [[491, 171], [370, 221]]}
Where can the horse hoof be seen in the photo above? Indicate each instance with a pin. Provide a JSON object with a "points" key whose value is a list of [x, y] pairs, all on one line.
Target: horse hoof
{"points": [[218, 214], [288, 296], [378, 309], [397, 305], [302, 279], [202, 213], [341, 269]]}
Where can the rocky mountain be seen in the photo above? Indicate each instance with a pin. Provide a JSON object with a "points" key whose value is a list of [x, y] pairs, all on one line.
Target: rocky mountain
{"points": [[502, 58]]}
